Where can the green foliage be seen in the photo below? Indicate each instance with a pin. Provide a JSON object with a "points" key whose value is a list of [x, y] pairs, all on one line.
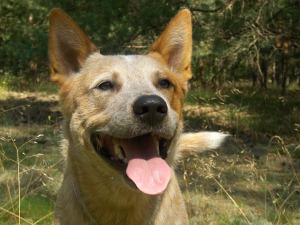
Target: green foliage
{"points": [[23, 37], [233, 39], [256, 40], [114, 26]]}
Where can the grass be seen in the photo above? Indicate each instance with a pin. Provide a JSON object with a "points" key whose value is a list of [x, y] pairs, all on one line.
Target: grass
{"points": [[239, 111], [29, 179], [240, 188], [30, 161], [9, 82], [253, 179]]}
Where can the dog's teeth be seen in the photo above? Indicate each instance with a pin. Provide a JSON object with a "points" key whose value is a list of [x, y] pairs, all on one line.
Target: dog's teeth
{"points": [[118, 152], [157, 146]]}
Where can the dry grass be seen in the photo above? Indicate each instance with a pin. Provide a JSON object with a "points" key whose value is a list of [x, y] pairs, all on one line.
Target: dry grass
{"points": [[30, 161], [242, 188], [28, 182], [253, 179]]}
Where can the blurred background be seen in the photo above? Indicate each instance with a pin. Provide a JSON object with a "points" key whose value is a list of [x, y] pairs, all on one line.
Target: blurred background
{"points": [[257, 41], [246, 82]]}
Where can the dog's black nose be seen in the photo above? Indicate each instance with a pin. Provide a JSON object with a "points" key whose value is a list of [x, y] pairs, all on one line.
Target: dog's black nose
{"points": [[151, 109]]}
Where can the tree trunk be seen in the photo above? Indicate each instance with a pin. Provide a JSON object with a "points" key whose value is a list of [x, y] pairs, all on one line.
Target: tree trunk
{"points": [[264, 71], [278, 71], [284, 75]]}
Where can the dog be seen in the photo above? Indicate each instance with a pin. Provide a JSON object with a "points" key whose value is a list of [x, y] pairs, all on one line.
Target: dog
{"points": [[123, 126]]}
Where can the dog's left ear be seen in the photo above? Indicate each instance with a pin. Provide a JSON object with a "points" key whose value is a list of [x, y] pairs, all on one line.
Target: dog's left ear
{"points": [[175, 44]]}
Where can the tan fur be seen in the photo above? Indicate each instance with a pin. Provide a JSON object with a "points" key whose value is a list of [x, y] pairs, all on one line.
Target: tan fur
{"points": [[93, 191]]}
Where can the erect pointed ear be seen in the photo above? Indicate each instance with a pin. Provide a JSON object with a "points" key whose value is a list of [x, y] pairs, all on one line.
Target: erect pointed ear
{"points": [[175, 44], [68, 46]]}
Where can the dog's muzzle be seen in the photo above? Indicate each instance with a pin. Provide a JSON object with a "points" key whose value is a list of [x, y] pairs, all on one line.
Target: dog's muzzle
{"points": [[142, 155]]}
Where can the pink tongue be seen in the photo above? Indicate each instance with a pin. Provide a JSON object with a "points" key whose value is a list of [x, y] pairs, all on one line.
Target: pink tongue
{"points": [[150, 173]]}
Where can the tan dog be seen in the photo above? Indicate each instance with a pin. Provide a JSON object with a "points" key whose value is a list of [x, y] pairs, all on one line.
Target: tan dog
{"points": [[123, 120]]}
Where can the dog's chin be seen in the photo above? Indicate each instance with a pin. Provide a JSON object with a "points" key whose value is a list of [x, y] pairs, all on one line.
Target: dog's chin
{"points": [[112, 149]]}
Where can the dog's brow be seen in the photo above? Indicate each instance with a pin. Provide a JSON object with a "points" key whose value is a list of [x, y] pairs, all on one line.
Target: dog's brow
{"points": [[101, 77], [158, 74]]}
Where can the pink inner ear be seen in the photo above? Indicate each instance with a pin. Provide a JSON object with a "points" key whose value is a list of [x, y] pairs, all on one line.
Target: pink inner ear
{"points": [[175, 44], [175, 58]]}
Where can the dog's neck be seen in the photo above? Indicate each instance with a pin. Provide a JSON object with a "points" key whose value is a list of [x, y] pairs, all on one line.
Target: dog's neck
{"points": [[78, 199], [124, 200]]}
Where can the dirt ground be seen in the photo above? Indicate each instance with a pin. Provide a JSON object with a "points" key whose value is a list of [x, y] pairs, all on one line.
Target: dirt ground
{"points": [[252, 179]]}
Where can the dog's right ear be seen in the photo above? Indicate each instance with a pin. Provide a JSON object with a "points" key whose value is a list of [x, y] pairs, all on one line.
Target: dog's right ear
{"points": [[68, 46]]}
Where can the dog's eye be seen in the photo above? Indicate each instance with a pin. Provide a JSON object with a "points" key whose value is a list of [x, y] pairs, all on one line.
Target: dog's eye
{"points": [[106, 86], [165, 83]]}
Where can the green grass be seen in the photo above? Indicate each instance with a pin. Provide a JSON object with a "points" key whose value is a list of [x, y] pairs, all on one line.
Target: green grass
{"points": [[21, 83], [263, 113], [31, 164], [29, 180], [35, 210], [239, 188], [253, 179]]}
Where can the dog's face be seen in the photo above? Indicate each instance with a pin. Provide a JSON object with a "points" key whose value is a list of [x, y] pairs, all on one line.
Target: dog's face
{"points": [[123, 113]]}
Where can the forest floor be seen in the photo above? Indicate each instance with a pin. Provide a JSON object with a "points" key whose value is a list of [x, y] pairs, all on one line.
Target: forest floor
{"points": [[253, 179]]}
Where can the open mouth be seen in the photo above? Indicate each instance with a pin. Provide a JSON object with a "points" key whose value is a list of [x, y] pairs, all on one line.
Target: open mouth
{"points": [[113, 148], [143, 158]]}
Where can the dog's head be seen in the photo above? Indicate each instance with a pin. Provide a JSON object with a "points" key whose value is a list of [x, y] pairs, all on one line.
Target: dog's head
{"points": [[124, 112]]}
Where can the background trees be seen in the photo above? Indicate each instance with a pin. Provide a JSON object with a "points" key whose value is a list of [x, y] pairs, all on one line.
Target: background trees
{"points": [[254, 40]]}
